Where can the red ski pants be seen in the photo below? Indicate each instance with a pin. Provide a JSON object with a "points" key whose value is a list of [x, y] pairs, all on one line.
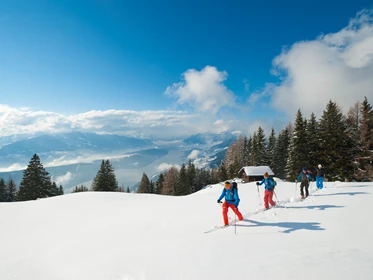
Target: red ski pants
{"points": [[268, 199], [225, 212]]}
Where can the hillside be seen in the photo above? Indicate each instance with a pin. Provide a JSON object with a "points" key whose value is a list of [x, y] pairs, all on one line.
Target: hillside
{"points": [[92, 236]]}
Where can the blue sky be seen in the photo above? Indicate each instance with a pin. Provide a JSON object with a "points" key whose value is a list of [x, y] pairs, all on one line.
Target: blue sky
{"points": [[179, 67]]}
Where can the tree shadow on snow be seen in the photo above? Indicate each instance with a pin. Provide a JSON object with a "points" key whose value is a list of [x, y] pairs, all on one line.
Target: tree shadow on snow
{"points": [[344, 193], [317, 207], [288, 226]]}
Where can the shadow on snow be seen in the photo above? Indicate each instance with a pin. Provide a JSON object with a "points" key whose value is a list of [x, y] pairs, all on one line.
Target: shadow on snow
{"points": [[288, 226], [344, 193], [317, 207]]}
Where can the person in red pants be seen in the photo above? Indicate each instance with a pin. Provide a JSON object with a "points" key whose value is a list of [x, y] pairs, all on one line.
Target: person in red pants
{"points": [[269, 186], [232, 200]]}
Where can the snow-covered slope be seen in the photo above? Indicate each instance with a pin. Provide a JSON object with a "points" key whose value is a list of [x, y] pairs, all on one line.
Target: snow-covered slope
{"points": [[97, 236]]}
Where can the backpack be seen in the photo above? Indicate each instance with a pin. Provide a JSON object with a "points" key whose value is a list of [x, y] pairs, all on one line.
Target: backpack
{"points": [[304, 177], [234, 185], [274, 182]]}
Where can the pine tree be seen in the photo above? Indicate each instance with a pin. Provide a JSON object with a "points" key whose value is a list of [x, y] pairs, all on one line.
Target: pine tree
{"points": [[105, 180], [151, 187], [222, 173], [54, 189], [250, 150], [80, 188], [144, 186], [128, 189], [11, 190], [3, 191], [366, 127], [203, 177], [214, 179], [313, 147], [297, 153], [271, 148], [60, 191], [353, 120], [336, 144], [281, 154], [246, 152], [260, 148], [159, 184], [36, 182], [182, 185], [191, 174]]}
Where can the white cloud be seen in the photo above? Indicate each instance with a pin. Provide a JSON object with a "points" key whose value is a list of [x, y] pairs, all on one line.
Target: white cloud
{"points": [[203, 89], [194, 154], [336, 66], [220, 126], [165, 166], [84, 159], [13, 167], [161, 124], [64, 179]]}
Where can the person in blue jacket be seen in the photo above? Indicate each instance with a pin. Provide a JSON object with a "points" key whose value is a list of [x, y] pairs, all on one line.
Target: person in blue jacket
{"points": [[320, 177], [230, 194], [304, 178], [269, 186]]}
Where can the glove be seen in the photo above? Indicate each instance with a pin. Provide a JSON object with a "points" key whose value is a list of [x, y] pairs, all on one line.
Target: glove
{"points": [[296, 181], [219, 201], [257, 183], [236, 205]]}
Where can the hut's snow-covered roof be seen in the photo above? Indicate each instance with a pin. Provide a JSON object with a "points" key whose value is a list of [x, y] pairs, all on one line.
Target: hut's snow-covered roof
{"points": [[256, 170]]}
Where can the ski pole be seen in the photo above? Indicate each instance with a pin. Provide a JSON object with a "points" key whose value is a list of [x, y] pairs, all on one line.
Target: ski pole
{"points": [[275, 196], [235, 221], [257, 187], [296, 183]]}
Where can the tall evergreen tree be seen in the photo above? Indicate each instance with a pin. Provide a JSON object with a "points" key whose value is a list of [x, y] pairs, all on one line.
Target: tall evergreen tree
{"points": [[192, 176], [159, 184], [54, 189], [36, 182], [260, 148], [337, 145], [298, 152], [214, 179], [271, 148], [312, 142], [182, 185], [144, 186], [105, 180], [60, 191], [353, 120], [3, 191], [80, 188], [203, 178], [281, 154], [12, 190], [366, 128], [251, 156], [222, 172]]}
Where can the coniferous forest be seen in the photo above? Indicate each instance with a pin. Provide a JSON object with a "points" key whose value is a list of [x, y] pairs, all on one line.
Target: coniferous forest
{"points": [[343, 144]]}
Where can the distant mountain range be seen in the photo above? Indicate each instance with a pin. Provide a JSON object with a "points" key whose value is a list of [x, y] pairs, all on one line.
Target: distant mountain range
{"points": [[74, 158]]}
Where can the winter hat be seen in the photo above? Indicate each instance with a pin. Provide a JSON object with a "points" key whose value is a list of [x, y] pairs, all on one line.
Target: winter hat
{"points": [[304, 169], [227, 184], [319, 166], [265, 174]]}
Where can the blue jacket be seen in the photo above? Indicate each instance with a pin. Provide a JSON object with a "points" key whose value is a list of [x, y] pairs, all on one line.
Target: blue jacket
{"points": [[231, 196], [268, 184], [306, 175]]}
